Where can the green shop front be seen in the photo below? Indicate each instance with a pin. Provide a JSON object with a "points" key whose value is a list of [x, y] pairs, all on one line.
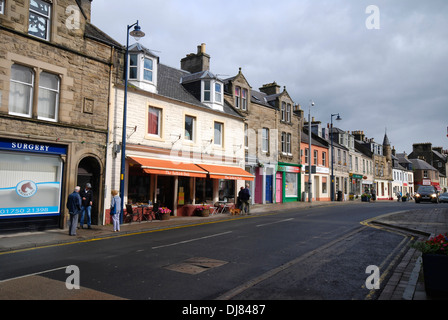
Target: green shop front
{"points": [[288, 182]]}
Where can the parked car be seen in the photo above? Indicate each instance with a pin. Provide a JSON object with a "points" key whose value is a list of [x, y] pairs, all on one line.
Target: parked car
{"points": [[426, 193], [443, 197]]}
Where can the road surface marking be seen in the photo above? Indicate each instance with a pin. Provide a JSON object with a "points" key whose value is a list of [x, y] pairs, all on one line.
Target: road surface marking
{"points": [[33, 274], [267, 224], [191, 240]]}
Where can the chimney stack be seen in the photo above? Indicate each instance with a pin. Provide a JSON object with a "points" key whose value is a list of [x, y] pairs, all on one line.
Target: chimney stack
{"points": [[198, 62]]}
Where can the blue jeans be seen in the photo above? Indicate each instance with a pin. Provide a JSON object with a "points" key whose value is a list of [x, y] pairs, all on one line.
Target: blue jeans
{"points": [[87, 209]]}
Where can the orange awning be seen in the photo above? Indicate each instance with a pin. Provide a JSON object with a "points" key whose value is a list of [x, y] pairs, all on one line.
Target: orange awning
{"points": [[170, 168], [225, 172]]}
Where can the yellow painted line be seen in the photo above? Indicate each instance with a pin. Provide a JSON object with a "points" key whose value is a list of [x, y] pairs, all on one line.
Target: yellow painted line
{"points": [[134, 233]]}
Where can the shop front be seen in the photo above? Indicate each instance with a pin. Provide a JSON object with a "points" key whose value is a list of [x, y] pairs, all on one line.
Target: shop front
{"points": [[356, 182], [31, 185], [289, 180], [180, 186]]}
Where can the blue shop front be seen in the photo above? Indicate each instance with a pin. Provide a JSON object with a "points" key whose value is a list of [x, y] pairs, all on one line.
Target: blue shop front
{"points": [[31, 185]]}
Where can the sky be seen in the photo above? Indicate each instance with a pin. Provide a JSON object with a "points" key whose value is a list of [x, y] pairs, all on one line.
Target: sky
{"points": [[382, 68]]}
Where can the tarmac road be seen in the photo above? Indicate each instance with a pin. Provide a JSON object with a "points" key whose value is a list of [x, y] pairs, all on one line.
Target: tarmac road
{"points": [[319, 253]]}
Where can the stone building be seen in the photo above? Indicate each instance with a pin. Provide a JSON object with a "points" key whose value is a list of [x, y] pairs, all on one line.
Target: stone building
{"points": [[273, 125], [185, 142], [260, 136], [436, 157], [55, 72]]}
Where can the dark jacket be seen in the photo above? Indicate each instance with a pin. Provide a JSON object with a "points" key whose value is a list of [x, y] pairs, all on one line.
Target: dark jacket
{"points": [[244, 194], [74, 203], [86, 194]]}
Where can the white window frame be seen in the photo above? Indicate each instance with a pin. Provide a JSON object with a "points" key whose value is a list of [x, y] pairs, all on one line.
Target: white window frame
{"points": [[265, 140], [324, 158], [237, 97], [30, 85], [288, 113], [221, 134], [288, 143], [131, 67], [215, 96], [56, 102], [193, 128], [159, 121], [41, 15], [2, 6], [140, 67], [147, 69], [283, 111], [244, 93], [283, 142]]}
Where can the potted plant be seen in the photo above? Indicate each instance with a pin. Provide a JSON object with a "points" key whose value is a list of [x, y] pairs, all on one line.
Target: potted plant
{"points": [[365, 197], [164, 213], [435, 263], [203, 210]]}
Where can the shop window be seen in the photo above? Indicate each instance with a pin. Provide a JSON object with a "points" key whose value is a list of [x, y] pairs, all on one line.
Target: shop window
{"points": [[227, 190], [291, 184], [39, 19], [30, 184], [204, 190]]}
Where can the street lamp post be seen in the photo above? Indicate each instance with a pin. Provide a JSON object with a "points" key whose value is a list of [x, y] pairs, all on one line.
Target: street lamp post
{"points": [[137, 34], [332, 153], [310, 183]]}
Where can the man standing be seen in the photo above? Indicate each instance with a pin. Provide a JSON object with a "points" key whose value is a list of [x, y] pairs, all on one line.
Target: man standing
{"points": [[87, 200], [244, 196], [74, 208]]}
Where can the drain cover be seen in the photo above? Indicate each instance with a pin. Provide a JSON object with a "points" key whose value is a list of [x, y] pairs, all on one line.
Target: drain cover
{"points": [[195, 265]]}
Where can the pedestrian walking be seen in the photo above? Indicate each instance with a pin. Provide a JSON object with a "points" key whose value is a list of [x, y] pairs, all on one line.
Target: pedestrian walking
{"points": [[244, 196], [87, 201], [74, 209], [115, 210]]}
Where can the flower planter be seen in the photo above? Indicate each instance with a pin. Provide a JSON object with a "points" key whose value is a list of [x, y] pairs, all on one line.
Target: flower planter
{"points": [[435, 274], [165, 216]]}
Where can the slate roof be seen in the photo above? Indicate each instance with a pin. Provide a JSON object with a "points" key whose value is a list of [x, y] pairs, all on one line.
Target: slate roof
{"points": [[169, 85], [421, 165], [94, 33]]}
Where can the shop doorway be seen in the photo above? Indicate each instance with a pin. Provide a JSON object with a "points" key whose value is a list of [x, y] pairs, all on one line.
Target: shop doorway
{"points": [[89, 171], [165, 192]]}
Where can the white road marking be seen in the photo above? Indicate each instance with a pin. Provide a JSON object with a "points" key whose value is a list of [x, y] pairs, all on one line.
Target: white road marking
{"points": [[33, 274], [267, 224], [191, 240]]}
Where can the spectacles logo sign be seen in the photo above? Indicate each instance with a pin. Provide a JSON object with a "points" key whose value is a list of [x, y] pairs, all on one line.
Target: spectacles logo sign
{"points": [[26, 189]]}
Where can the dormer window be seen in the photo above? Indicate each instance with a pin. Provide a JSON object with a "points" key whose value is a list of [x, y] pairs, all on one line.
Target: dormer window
{"points": [[212, 92], [142, 68]]}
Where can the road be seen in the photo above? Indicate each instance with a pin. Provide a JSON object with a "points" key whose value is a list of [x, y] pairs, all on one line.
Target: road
{"points": [[315, 254]]}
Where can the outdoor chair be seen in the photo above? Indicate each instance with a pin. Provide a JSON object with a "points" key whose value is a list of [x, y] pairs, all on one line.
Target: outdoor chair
{"points": [[130, 214]]}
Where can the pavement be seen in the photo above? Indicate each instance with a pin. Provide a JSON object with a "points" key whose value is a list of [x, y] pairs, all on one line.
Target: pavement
{"points": [[405, 281]]}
